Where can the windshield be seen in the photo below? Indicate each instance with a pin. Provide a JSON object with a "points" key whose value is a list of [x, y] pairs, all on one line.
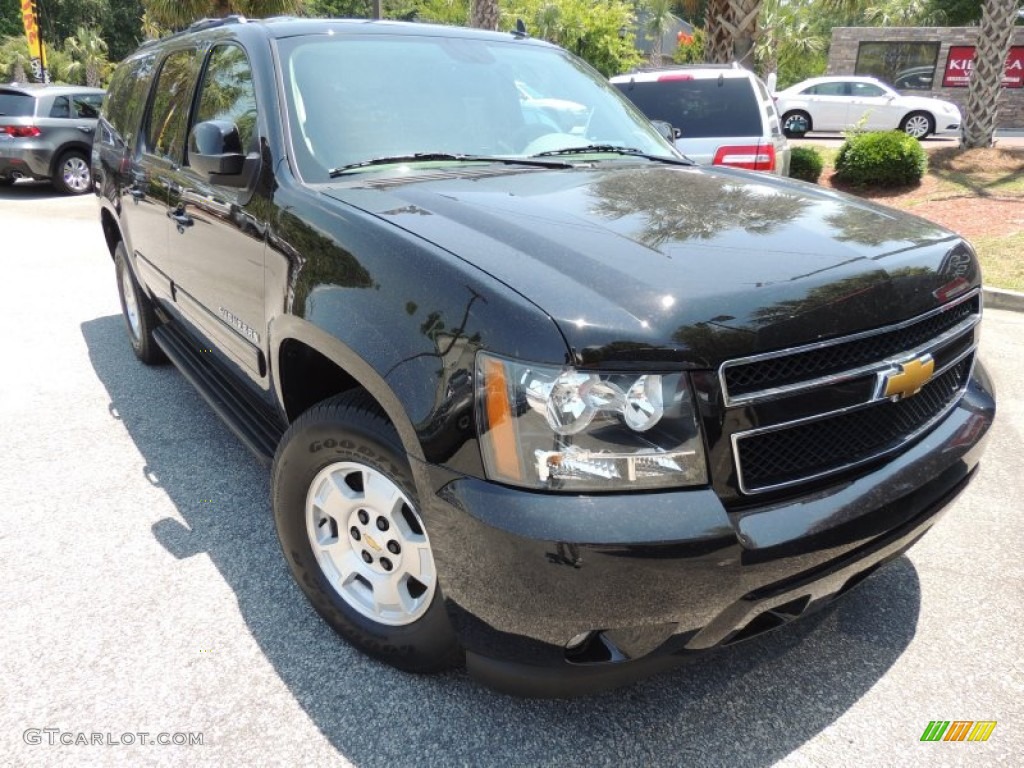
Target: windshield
{"points": [[354, 99]]}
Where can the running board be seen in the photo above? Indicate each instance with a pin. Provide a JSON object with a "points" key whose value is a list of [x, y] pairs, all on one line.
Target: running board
{"points": [[251, 421]]}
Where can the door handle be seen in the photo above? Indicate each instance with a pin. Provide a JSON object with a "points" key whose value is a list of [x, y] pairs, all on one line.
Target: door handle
{"points": [[85, 129]]}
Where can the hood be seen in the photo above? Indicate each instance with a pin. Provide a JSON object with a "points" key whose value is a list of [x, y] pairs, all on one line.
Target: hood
{"points": [[680, 265]]}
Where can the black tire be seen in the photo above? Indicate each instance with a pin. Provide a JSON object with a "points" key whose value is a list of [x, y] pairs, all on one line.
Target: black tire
{"points": [[916, 122], [341, 431], [141, 335], [71, 174], [6, 181], [796, 123]]}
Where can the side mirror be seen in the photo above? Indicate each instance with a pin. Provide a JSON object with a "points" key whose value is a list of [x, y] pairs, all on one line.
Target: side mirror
{"points": [[666, 130], [215, 151]]}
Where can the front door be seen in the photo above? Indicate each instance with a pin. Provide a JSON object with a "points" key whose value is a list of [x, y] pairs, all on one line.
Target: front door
{"points": [[871, 104], [216, 239]]}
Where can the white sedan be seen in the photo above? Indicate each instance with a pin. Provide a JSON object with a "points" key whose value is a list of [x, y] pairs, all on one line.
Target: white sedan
{"points": [[842, 103]]}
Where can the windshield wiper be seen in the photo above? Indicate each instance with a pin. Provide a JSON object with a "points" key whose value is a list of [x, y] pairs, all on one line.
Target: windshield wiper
{"points": [[597, 149], [426, 157]]}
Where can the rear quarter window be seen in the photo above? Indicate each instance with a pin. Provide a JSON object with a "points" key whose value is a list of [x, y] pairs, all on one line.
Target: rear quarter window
{"points": [[708, 108], [13, 104]]}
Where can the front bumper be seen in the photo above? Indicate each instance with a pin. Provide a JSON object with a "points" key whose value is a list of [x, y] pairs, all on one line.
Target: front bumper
{"points": [[654, 577], [948, 125]]}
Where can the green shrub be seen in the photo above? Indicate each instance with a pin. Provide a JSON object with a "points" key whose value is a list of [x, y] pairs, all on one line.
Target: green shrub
{"points": [[805, 163], [881, 159]]}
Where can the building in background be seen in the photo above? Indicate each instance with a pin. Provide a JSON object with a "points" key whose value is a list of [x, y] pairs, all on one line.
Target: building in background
{"points": [[928, 61]]}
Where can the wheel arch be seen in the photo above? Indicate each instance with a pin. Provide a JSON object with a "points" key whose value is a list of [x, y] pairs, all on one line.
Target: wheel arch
{"points": [[798, 111], [308, 365], [932, 122], [111, 230], [72, 146]]}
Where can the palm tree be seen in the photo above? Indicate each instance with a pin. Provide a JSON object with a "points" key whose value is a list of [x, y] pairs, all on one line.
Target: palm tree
{"points": [[179, 13], [732, 30], [785, 35], [88, 52], [994, 36], [659, 17], [484, 14], [14, 60]]}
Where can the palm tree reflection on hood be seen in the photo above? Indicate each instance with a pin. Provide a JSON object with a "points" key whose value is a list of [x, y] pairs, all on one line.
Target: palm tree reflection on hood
{"points": [[695, 207]]}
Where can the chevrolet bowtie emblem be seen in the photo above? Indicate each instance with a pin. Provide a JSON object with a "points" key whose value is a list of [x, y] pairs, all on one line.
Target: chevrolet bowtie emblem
{"points": [[908, 380]]}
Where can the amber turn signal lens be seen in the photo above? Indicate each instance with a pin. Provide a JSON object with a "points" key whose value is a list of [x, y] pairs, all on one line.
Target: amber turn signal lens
{"points": [[500, 429]]}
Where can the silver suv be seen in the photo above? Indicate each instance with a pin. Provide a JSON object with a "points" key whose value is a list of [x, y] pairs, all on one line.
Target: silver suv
{"points": [[722, 115], [46, 134]]}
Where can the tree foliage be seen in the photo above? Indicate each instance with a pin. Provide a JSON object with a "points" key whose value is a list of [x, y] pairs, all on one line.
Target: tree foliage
{"points": [[10, 18], [691, 50], [790, 42], [599, 32], [657, 21], [88, 53], [14, 63], [177, 14]]}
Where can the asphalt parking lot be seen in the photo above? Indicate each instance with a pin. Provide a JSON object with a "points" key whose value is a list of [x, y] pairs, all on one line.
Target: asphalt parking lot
{"points": [[142, 591]]}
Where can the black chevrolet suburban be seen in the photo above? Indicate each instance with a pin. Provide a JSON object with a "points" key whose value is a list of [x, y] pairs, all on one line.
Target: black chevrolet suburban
{"points": [[548, 401]]}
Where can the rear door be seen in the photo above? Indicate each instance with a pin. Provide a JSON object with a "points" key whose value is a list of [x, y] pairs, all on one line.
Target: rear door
{"points": [[158, 157]]}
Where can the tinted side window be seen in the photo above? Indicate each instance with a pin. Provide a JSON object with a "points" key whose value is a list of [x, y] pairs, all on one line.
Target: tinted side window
{"points": [[700, 108], [16, 104], [228, 93], [165, 130], [827, 89], [127, 96], [87, 105], [866, 90], [61, 107]]}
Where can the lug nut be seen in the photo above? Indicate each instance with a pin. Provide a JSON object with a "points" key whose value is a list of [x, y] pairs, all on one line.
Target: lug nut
{"points": [[382, 524], [364, 518], [355, 533], [367, 557], [393, 547], [386, 564]]}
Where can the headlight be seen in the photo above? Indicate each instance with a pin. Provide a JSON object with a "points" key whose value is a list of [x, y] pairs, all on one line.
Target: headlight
{"points": [[570, 430]]}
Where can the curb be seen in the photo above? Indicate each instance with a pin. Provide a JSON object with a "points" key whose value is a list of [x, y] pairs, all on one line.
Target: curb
{"points": [[997, 298]]}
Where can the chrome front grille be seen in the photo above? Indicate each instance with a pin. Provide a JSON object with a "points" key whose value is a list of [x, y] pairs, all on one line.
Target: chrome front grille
{"points": [[754, 378], [775, 454]]}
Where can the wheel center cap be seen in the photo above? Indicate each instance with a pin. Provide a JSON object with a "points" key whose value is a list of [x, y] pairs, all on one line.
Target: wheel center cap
{"points": [[372, 543]]}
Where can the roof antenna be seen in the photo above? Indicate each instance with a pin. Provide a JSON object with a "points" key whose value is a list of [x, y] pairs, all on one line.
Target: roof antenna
{"points": [[521, 29]]}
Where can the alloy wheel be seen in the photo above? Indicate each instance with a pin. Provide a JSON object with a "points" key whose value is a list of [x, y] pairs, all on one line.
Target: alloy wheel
{"points": [[370, 544], [917, 126], [131, 304], [76, 175]]}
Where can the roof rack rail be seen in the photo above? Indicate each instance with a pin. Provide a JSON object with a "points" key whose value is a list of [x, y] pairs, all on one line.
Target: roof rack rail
{"points": [[235, 18], [663, 67], [201, 24]]}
